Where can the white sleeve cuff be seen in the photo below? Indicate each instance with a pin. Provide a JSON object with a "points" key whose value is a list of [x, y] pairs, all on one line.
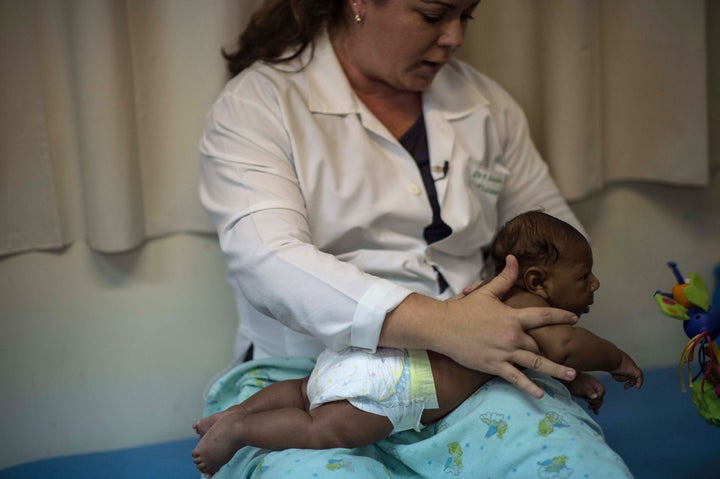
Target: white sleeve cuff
{"points": [[374, 305]]}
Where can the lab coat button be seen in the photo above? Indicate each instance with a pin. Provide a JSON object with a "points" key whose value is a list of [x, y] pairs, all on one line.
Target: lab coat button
{"points": [[414, 189]]}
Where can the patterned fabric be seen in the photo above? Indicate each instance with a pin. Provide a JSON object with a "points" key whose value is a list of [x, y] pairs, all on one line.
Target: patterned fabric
{"points": [[497, 433]]}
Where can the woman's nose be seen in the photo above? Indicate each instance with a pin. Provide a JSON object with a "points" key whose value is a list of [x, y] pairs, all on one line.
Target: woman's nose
{"points": [[452, 35]]}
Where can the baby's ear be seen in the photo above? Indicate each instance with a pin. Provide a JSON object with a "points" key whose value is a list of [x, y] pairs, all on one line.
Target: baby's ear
{"points": [[534, 278]]}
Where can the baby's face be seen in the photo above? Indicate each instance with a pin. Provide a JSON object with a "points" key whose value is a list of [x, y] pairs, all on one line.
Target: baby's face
{"points": [[571, 283]]}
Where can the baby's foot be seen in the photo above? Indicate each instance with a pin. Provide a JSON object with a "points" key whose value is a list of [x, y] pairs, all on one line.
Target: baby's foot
{"points": [[219, 443], [202, 426]]}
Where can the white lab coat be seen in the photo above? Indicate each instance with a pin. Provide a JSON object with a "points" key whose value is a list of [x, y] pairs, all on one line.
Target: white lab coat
{"points": [[320, 210]]}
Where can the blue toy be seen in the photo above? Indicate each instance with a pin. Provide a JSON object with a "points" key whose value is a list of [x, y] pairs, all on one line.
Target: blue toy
{"points": [[690, 302]]}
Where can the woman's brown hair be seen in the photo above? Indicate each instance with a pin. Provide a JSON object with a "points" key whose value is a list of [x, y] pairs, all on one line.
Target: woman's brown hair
{"points": [[282, 29]]}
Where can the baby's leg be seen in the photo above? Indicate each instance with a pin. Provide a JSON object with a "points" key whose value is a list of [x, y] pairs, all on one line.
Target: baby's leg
{"points": [[336, 424], [222, 434], [256, 423], [289, 393]]}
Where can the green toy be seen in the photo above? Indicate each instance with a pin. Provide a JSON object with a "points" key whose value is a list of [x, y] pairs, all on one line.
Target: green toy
{"points": [[690, 303]]}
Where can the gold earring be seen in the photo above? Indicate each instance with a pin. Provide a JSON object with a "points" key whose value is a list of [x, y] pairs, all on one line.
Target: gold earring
{"points": [[358, 18]]}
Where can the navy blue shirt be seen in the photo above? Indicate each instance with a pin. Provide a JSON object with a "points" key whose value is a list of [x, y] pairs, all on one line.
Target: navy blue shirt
{"points": [[415, 142]]}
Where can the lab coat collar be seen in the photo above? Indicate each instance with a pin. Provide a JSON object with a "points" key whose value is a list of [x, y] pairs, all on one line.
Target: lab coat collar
{"points": [[450, 93], [328, 88]]}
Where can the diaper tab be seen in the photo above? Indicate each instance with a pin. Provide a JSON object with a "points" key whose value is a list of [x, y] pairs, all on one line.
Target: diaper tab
{"points": [[422, 384]]}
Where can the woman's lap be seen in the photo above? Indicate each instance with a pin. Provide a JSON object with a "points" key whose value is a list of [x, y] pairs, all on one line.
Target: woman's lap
{"points": [[499, 432]]}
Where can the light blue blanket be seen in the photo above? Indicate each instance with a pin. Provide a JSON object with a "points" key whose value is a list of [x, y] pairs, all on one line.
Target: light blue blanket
{"points": [[497, 433]]}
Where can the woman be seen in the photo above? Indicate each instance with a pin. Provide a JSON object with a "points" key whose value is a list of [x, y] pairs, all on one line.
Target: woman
{"points": [[354, 183]]}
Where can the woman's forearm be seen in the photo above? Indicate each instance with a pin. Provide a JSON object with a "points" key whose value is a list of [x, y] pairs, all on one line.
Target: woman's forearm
{"points": [[413, 324]]}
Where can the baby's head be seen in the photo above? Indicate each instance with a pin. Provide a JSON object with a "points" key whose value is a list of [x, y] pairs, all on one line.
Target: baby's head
{"points": [[555, 260]]}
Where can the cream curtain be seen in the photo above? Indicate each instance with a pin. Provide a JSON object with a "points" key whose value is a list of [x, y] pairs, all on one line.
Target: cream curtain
{"points": [[103, 103], [614, 89]]}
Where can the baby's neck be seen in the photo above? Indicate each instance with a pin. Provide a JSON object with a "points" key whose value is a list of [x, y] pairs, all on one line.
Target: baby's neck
{"points": [[516, 289]]}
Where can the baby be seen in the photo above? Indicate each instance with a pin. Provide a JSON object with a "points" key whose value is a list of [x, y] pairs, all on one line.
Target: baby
{"points": [[353, 397]]}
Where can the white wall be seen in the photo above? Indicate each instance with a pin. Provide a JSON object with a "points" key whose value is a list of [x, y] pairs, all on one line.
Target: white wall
{"points": [[635, 229], [100, 352]]}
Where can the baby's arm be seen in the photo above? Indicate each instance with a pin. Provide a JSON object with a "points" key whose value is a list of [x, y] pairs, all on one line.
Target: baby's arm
{"points": [[579, 348]]}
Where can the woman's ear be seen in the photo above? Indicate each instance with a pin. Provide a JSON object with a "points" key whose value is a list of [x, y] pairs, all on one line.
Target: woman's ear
{"points": [[358, 9], [534, 279]]}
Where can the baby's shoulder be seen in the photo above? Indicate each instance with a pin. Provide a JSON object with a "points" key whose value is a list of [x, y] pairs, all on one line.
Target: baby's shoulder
{"points": [[521, 298]]}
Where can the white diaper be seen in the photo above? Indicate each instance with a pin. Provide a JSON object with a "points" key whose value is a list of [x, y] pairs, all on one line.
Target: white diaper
{"points": [[396, 383]]}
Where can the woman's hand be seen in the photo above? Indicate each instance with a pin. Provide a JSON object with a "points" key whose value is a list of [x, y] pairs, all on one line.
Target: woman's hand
{"points": [[482, 333], [479, 331]]}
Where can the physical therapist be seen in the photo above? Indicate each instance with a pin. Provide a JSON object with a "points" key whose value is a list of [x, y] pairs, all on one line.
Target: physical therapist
{"points": [[354, 171]]}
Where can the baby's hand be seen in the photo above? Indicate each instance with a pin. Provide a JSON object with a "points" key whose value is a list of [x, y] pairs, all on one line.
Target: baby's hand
{"points": [[628, 372], [587, 387]]}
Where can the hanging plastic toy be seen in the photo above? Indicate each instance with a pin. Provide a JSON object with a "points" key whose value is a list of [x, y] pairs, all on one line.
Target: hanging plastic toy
{"points": [[690, 302], [716, 294]]}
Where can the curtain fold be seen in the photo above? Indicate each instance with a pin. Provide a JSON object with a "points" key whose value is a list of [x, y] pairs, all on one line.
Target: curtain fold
{"points": [[103, 103], [615, 90], [654, 90], [572, 94], [106, 120], [29, 215]]}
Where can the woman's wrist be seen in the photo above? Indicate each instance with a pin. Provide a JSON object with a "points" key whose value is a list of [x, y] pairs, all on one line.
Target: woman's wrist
{"points": [[413, 323]]}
